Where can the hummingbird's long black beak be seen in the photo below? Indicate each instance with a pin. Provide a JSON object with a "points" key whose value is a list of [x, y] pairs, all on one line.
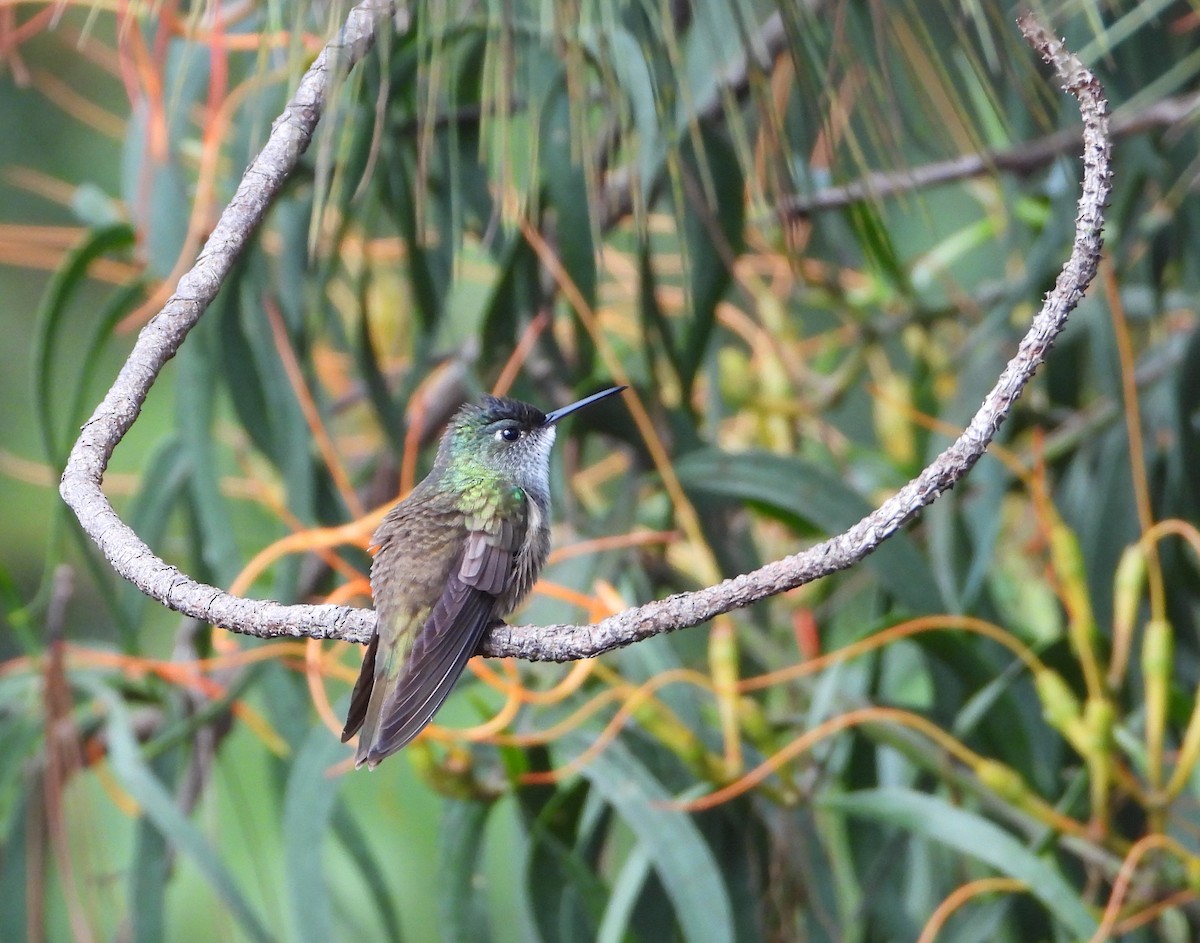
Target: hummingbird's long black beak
{"points": [[552, 418]]}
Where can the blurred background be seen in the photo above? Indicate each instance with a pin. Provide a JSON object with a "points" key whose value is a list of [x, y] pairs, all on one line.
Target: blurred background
{"points": [[809, 236]]}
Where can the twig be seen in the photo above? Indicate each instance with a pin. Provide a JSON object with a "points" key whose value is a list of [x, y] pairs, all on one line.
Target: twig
{"points": [[292, 132], [1022, 160]]}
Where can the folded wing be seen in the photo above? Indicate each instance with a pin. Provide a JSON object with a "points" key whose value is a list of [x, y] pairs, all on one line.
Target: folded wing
{"points": [[448, 638]]}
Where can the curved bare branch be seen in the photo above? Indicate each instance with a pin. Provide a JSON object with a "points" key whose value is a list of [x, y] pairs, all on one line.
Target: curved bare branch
{"points": [[81, 484]]}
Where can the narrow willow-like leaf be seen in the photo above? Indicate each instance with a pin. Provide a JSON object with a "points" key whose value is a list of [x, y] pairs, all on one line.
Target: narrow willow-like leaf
{"points": [[461, 905], [50, 321], [563, 897], [509, 295], [16, 614], [627, 58], [712, 216], [657, 332], [246, 384], [1185, 473], [567, 197], [21, 735], [149, 879], [308, 804], [428, 279], [287, 428], [102, 326], [390, 415], [682, 860], [159, 807], [355, 843], [876, 244], [626, 889], [974, 836], [17, 885]]}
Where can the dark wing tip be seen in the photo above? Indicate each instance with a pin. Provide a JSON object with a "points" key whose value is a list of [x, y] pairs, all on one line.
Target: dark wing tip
{"points": [[360, 697], [441, 651]]}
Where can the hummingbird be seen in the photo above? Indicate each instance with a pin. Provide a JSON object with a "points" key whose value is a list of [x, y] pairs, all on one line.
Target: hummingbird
{"points": [[462, 550]]}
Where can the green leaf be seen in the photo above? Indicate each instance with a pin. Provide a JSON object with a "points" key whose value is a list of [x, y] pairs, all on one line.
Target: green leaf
{"points": [[713, 216], [355, 843], [16, 614], [149, 878], [797, 491], [682, 859], [308, 805], [633, 74], [876, 244], [655, 324], [239, 368], [50, 321], [428, 272], [624, 896], [51, 389], [461, 905], [282, 421], [567, 194], [974, 836], [21, 738], [562, 892], [160, 809], [103, 325], [391, 416], [17, 885], [510, 295]]}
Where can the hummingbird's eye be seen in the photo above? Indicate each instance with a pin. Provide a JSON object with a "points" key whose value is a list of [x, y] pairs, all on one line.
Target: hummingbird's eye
{"points": [[508, 434]]}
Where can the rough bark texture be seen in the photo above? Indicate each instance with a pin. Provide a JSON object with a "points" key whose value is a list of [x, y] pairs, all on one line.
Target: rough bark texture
{"points": [[158, 342]]}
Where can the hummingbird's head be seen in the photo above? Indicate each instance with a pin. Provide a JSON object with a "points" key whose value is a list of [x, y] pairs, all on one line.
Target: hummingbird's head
{"points": [[510, 438]]}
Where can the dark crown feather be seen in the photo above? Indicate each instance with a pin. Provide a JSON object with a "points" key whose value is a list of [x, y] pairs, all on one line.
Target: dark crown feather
{"points": [[495, 408]]}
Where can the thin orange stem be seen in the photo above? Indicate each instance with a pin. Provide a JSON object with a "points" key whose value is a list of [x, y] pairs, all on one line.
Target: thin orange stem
{"points": [[513, 691], [1145, 915], [563, 727], [355, 533], [1120, 887], [811, 738], [614, 542], [891, 634], [633, 698], [963, 894], [308, 406], [565, 593], [314, 675], [516, 360]]}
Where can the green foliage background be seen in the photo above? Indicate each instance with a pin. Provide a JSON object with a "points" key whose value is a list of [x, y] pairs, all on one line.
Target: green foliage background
{"points": [[600, 187]]}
